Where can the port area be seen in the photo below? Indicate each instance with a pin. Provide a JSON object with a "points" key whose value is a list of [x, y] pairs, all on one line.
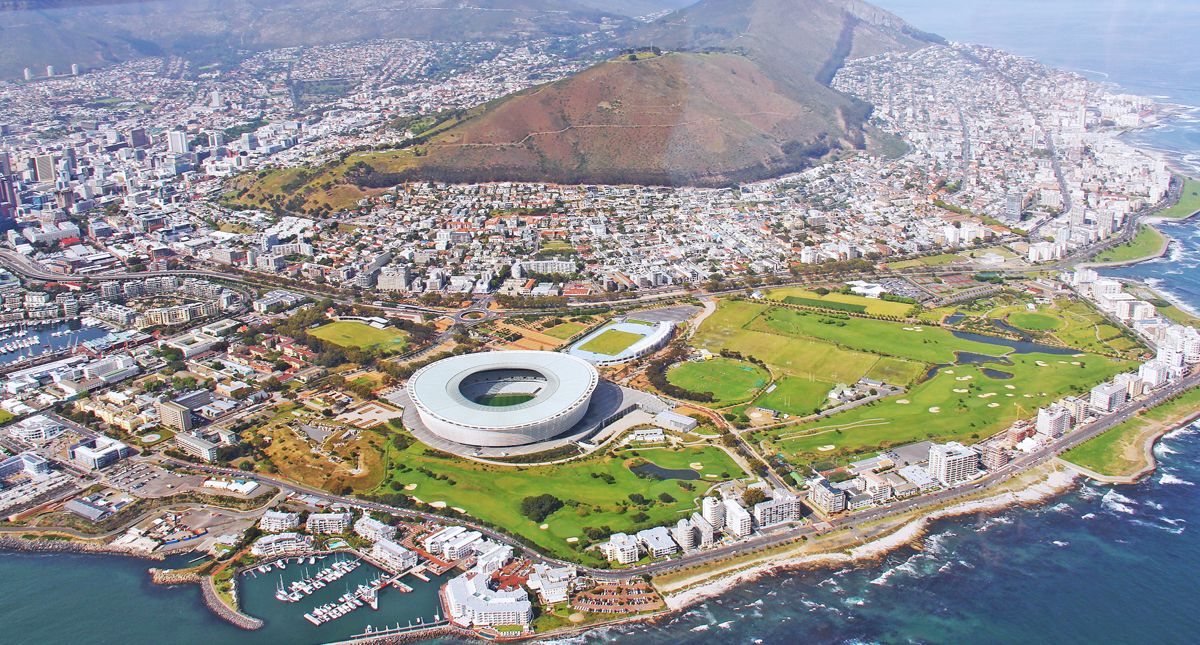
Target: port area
{"points": [[339, 595]]}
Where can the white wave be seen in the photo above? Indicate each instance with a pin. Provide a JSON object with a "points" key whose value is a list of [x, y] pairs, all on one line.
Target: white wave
{"points": [[1061, 507], [1168, 478], [1060, 543], [1163, 450], [1155, 505], [1169, 529], [725, 625], [1088, 516], [945, 567], [999, 520], [964, 563], [933, 544], [700, 628], [855, 601], [1173, 521], [1115, 502], [1185, 431]]}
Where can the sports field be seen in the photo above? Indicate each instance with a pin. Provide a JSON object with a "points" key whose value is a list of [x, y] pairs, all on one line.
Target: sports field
{"points": [[795, 396], [351, 333], [729, 381], [735, 326], [1034, 321], [872, 306], [563, 331], [1145, 244], [582, 485], [611, 342]]}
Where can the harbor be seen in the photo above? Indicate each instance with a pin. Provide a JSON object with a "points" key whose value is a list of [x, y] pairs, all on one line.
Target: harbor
{"points": [[20, 343], [336, 597]]}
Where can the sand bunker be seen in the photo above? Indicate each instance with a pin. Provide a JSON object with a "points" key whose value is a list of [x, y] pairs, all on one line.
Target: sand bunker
{"points": [[993, 405], [544, 527], [826, 448], [934, 410], [695, 465], [410, 487], [964, 378], [960, 390]]}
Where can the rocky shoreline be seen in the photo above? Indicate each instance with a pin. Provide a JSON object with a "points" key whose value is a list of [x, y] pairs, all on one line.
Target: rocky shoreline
{"points": [[911, 532], [72, 546]]}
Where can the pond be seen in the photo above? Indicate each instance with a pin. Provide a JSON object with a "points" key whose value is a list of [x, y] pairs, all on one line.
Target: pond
{"points": [[658, 472], [991, 373], [1016, 346]]}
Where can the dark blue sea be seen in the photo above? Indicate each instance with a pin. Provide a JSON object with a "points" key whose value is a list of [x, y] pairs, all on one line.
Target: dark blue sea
{"points": [[1099, 564]]}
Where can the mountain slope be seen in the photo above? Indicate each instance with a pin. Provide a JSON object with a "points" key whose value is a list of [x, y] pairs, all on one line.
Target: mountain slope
{"points": [[745, 96]]}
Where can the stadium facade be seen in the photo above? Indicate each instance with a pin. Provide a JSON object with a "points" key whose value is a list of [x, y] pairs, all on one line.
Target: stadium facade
{"points": [[501, 399]]}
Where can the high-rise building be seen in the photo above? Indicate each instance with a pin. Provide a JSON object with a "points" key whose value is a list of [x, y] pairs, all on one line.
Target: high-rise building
{"points": [[1053, 421], [178, 143], [782, 507], [714, 512], [28, 74], [174, 415], [738, 521], [952, 463], [45, 167], [995, 456], [74, 69], [137, 138], [825, 497], [50, 71]]}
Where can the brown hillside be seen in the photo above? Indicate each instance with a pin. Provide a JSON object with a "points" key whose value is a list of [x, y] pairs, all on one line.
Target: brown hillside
{"points": [[673, 119]]}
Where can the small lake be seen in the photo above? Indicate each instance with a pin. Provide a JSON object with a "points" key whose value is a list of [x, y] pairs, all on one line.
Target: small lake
{"points": [[1017, 346], [658, 472], [991, 373]]}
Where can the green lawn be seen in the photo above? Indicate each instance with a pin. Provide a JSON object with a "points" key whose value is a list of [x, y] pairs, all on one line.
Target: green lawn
{"points": [[912, 342], [611, 342], [808, 358], [1189, 201], [729, 381], [1031, 321], [896, 371], [934, 410], [796, 396], [929, 260], [5, 416], [494, 493], [1118, 452], [873, 306], [351, 333], [1145, 244], [563, 331]]}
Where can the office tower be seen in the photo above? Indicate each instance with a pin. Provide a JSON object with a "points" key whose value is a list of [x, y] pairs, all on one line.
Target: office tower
{"points": [[177, 142]]}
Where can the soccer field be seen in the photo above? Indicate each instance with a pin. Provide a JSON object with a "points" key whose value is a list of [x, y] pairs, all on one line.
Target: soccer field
{"points": [[611, 342], [729, 381], [351, 333]]}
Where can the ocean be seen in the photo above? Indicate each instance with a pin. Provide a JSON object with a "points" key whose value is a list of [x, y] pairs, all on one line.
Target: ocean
{"points": [[1098, 564]]}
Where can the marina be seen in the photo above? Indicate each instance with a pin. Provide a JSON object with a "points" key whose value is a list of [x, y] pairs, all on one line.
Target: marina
{"points": [[21, 342], [335, 597]]}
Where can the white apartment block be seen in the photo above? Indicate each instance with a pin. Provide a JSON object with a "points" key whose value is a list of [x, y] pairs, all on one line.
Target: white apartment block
{"points": [[782, 507], [328, 522], [372, 529], [657, 541], [1107, 397], [276, 521], [713, 510], [282, 544], [621, 548], [738, 521], [825, 497], [392, 556], [1053, 421], [952, 463]]}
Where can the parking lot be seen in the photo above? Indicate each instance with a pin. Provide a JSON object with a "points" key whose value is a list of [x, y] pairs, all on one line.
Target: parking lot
{"points": [[147, 480]]}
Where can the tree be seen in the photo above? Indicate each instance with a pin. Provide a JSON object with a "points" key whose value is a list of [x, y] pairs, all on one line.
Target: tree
{"points": [[753, 496], [539, 507]]}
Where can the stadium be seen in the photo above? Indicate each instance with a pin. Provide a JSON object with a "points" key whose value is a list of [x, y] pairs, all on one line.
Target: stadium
{"points": [[498, 399]]}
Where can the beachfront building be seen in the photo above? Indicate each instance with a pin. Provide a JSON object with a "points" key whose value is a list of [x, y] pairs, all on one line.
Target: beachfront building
{"points": [[657, 541], [621, 548], [282, 544], [684, 534], [462, 545], [392, 556], [328, 522], [1107, 397], [713, 510], [553, 584], [782, 507], [738, 521], [1053, 421], [372, 529], [276, 521], [952, 463], [471, 601], [704, 531], [825, 497]]}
